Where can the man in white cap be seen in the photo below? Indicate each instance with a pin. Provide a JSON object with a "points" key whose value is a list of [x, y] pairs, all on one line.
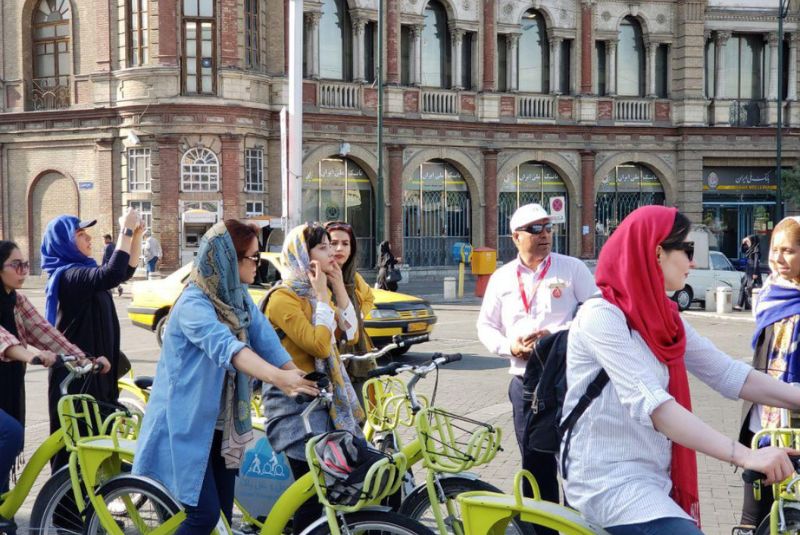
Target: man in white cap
{"points": [[535, 294]]}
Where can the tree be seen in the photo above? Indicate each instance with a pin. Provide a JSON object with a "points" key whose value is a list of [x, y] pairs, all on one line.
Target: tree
{"points": [[791, 185]]}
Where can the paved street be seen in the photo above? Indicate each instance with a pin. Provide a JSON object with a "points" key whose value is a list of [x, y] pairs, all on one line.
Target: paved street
{"points": [[477, 386]]}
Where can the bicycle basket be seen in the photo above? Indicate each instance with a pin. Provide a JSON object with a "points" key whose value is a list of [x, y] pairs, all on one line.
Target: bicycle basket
{"points": [[349, 474], [82, 416], [453, 443], [387, 404]]}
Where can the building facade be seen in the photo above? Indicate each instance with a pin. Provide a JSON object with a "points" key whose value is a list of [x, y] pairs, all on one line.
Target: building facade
{"points": [[592, 106]]}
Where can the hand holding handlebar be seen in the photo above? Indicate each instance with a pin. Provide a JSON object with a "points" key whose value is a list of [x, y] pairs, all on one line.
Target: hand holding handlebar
{"points": [[770, 465]]}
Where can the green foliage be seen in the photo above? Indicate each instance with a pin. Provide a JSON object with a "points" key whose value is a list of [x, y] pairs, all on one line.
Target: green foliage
{"points": [[791, 185]]}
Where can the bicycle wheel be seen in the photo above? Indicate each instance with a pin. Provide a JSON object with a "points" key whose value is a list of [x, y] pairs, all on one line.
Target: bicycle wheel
{"points": [[374, 523], [54, 511], [791, 513], [138, 505], [418, 507]]}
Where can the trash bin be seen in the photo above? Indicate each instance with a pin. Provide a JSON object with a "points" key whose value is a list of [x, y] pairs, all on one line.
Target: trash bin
{"points": [[484, 262], [461, 252], [754, 293], [449, 288], [711, 300], [724, 299]]}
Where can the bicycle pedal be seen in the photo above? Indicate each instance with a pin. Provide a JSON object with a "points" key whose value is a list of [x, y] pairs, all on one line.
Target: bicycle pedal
{"points": [[743, 530]]}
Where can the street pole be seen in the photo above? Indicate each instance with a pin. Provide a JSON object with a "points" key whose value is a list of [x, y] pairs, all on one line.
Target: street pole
{"points": [[783, 7], [379, 205], [294, 173]]}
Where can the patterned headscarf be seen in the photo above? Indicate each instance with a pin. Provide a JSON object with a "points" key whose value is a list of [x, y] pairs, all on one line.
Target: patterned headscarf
{"points": [[216, 273], [345, 411]]}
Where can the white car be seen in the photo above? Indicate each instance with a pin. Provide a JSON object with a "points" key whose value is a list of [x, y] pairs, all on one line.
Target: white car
{"points": [[719, 273]]}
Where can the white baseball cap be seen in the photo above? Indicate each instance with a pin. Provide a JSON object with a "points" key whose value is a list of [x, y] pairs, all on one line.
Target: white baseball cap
{"points": [[527, 213]]}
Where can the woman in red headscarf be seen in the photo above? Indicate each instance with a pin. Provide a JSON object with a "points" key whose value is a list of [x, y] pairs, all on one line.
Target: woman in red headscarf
{"points": [[630, 465]]}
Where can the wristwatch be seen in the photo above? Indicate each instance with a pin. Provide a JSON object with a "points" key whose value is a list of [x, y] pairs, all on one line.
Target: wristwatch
{"points": [[127, 231]]}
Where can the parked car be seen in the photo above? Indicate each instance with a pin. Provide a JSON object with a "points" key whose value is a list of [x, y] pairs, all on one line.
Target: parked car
{"points": [[719, 273], [394, 313]]}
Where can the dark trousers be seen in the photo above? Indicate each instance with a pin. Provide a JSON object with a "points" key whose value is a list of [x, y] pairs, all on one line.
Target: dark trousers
{"points": [[12, 439], [216, 494], [543, 466], [659, 526], [753, 511], [312, 509]]}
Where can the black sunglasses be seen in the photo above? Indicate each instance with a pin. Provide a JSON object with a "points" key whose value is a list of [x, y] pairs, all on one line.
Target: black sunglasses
{"points": [[687, 247], [255, 258], [537, 228]]}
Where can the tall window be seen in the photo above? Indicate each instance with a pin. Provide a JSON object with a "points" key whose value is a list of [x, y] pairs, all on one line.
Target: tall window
{"points": [[139, 170], [745, 77], [370, 36], [406, 38], [335, 41], [711, 67], [502, 63], [199, 38], [466, 60], [51, 54], [138, 33], [662, 71], [530, 182], [199, 170], [533, 54], [435, 47], [630, 59], [436, 213], [254, 170], [600, 52], [145, 209], [252, 52]]}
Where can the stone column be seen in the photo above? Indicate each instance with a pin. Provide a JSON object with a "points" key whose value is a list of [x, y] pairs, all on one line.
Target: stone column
{"points": [[652, 50], [312, 47], [169, 186], [772, 40], [791, 93], [167, 37], [555, 65], [611, 67], [416, 54], [489, 45], [392, 42], [396, 196], [512, 59], [231, 176], [721, 39], [490, 197], [358, 49], [456, 40], [228, 34], [587, 201], [587, 47]]}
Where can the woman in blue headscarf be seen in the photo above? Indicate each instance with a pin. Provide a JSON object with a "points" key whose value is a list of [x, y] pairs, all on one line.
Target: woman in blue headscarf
{"points": [[79, 302], [197, 423]]}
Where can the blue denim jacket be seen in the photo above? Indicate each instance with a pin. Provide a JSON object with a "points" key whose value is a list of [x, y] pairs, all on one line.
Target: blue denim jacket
{"points": [[175, 440]]}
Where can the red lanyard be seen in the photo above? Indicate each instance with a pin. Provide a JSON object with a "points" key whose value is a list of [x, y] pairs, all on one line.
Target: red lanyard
{"points": [[528, 304]]}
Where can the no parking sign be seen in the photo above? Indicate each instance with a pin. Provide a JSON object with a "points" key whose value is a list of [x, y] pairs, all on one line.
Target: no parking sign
{"points": [[558, 210]]}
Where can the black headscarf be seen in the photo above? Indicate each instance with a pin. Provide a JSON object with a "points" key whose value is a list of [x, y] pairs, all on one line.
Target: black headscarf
{"points": [[12, 374], [754, 248]]}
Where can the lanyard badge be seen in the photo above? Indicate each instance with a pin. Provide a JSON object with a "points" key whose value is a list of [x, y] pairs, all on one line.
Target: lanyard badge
{"points": [[525, 302]]}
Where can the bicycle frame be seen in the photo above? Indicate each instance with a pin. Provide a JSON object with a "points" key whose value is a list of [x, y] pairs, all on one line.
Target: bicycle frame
{"points": [[783, 491], [11, 501]]}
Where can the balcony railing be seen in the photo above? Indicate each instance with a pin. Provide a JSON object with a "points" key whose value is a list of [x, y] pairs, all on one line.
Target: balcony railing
{"points": [[340, 96], [441, 102], [745, 113], [638, 110], [49, 93], [536, 107]]}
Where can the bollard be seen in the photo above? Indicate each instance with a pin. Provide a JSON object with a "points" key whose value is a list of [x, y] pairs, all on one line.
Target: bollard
{"points": [[449, 288], [711, 300], [724, 300]]}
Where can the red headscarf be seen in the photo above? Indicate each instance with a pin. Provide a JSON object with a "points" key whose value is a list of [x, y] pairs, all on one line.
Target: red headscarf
{"points": [[629, 276]]}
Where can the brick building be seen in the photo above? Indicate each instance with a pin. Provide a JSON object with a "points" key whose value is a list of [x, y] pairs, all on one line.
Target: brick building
{"points": [[173, 106]]}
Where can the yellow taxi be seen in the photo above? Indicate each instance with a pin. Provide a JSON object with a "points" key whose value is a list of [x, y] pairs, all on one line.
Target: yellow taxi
{"points": [[394, 313]]}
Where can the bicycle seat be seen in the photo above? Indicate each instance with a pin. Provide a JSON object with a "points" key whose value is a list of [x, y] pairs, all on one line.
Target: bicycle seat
{"points": [[143, 381]]}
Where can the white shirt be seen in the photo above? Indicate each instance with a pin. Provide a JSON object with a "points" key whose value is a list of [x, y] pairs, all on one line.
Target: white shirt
{"points": [[618, 468], [347, 319], [503, 317]]}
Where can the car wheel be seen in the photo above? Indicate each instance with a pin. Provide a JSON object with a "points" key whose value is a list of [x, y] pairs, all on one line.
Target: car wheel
{"points": [[160, 327], [684, 298]]}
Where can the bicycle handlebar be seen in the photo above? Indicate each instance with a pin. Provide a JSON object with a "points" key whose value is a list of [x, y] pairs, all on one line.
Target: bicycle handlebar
{"points": [[751, 476], [397, 342], [439, 359]]}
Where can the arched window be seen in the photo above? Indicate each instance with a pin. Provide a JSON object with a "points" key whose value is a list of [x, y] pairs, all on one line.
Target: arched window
{"points": [[630, 59], [335, 41], [52, 56], [337, 189], [533, 54], [435, 47], [436, 212], [626, 188], [199, 170], [530, 182]]}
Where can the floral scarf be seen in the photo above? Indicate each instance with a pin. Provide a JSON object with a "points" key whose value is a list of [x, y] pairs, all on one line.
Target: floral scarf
{"points": [[345, 411], [216, 273]]}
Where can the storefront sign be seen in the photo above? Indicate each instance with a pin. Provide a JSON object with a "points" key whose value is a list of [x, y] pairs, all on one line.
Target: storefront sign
{"points": [[738, 179], [199, 216]]}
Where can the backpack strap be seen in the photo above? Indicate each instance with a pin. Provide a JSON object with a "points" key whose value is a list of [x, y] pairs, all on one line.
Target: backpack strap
{"points": [[593, 391], [262, 306]]}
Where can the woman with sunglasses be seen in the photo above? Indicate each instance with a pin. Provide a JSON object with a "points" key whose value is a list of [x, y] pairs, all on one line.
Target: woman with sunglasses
{"points": [[21, 325], [308, 313], [345, 252], [386, 263], [775, 345], [194, 434], [629, 462]]}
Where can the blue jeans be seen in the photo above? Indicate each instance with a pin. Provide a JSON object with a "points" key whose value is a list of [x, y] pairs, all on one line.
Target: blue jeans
{"points": [[659, 526], [12, 439], [151, 264], [216, 494]]}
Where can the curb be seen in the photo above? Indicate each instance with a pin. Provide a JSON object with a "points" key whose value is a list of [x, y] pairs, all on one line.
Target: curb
{"points": [[744, 318]]}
